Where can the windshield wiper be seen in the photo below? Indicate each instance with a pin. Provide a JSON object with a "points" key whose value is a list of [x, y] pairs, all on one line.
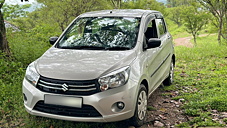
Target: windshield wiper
{"points": [[118, 48], [85, 47]]}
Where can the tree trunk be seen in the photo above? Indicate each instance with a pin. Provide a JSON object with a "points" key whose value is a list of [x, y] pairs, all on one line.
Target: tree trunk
{"points": [[219, 11], [194, 37], [4, 47], [220, 31], [116, 4]]}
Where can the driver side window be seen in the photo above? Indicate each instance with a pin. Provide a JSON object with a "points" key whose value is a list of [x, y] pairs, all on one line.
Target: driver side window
{"points": [[151, 30]]}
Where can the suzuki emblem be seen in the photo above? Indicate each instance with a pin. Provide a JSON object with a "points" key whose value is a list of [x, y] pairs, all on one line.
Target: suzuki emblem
{"points": [[64, 87]]}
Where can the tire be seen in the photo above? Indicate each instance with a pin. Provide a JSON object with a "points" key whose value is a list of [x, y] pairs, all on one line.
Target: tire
{"points": [[141, 108], [169, 80]]}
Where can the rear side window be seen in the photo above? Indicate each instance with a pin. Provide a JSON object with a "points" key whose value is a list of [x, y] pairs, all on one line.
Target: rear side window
{"points": [[161, 26]]}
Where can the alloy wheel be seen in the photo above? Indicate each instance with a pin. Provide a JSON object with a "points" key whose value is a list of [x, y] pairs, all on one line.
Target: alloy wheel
{"points": [[142, 105], [171, 72]]}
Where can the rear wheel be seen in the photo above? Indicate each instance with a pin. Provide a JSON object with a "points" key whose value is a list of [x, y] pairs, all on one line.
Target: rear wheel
{"points": [[169, 80], [141, 107]]}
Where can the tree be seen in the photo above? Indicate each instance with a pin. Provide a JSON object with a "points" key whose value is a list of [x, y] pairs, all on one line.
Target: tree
{"points": [[4, 47], [63, 12], [116, 3], [14, 11], [176, 3], [174, 14], [144, 4], [218, 9], [194, 19]]}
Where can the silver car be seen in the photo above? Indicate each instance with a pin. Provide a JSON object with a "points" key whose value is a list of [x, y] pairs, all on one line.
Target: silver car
{"points": [[102, 68]]}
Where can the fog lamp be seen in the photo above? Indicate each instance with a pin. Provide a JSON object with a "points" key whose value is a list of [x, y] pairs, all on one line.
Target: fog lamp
{"points": [[120, 105]]}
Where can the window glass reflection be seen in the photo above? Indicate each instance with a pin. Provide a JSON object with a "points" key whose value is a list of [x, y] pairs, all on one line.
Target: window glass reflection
{"points": [[112, 33]]}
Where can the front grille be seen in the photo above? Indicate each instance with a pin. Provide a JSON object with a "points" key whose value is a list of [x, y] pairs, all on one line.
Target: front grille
{"points": [[68, 87], [85, 111]]}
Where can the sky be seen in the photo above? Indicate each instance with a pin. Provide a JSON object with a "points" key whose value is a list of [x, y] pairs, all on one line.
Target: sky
{"points": [[19, 2], [34, 4]]}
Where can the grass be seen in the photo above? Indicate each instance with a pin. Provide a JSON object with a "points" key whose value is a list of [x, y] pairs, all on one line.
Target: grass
{"points": [[200, 76]]}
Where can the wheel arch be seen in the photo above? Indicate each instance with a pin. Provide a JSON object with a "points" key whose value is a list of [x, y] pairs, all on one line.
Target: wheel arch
{"points": [[174, 59], [145, 83]]}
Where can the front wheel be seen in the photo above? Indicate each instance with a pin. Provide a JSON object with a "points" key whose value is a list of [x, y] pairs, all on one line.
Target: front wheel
{"points": [[169, 80], [141, 107]]}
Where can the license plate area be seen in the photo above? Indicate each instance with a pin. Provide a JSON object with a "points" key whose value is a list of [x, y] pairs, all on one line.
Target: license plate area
{"points": [[63, 100]]}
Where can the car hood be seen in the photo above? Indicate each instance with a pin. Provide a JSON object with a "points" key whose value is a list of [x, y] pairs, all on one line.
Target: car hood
{"points": [[71, 64]]}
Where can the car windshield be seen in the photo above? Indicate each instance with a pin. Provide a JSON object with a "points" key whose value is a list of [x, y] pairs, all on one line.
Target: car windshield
{"points": [[101, 33]]}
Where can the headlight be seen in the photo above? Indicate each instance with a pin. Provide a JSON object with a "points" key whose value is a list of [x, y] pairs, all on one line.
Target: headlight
{"points": [[31, 74], [114, 79]]}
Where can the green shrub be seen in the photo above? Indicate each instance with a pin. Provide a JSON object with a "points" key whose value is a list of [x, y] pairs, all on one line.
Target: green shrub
{"points": [[26, 46]]}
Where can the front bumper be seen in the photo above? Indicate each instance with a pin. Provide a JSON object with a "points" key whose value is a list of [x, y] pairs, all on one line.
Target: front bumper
{"points": [[103, 102]]}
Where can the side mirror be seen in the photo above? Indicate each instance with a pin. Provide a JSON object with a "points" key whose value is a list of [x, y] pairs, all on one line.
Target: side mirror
{"points": [[153, 43], [53, 40]]}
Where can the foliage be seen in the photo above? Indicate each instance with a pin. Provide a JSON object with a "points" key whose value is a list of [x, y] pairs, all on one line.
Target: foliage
{"points": [[63, 12], [218, 8], [144, 4], [176, 3], [14, 11], [116, 3], [194, 20], [175, 13], [10, 93], [2, 2], [176, 31], [28, 45]]}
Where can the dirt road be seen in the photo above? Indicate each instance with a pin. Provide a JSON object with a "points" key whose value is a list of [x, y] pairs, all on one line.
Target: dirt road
{"points": [[185, 41]]}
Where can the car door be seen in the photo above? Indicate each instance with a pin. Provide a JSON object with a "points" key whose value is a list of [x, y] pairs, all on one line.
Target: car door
{"points": [[152, 54], [157, 58], [164, 51]]}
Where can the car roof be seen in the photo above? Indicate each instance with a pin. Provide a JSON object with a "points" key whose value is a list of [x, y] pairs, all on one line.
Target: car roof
{"points": [[120, 13]]}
